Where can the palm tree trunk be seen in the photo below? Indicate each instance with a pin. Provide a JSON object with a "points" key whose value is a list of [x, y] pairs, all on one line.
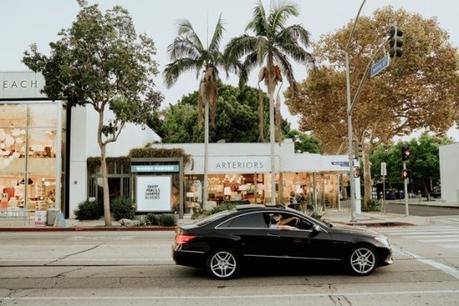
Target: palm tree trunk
{"points": [[206, 153], [271, 129]]}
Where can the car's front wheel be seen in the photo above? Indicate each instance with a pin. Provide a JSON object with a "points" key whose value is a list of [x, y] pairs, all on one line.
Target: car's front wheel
{"points": [[222, 264], [362, 260]]}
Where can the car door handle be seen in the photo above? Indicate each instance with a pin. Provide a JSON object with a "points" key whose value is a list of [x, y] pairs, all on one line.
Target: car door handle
{"points": [[273, 235]]}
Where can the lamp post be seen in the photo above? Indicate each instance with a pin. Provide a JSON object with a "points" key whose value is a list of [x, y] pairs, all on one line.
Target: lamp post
{"points": [[349, 118]]}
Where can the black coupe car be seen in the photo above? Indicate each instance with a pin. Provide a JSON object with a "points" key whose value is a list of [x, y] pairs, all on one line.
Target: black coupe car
{"points": [[222, 242]]}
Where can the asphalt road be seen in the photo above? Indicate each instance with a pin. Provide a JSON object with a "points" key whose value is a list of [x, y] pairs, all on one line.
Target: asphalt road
{"points": [[420, 210], [135, 268]]}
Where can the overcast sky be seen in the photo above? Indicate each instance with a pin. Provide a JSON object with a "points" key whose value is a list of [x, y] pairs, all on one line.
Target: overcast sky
{"points": [[23, 22]]}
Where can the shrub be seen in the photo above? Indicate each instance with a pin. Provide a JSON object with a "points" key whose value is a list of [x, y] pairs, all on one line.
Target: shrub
{"points": [[373, 205], [88, 210], [223, 206], [167, 220], [123, 208], [152, 219]]}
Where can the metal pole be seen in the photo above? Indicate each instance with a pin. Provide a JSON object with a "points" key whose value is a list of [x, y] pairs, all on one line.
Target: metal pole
{"points": [[339, 191], [206, 153], [58, 152], [407, 213], [349, 136], [384, 191]]}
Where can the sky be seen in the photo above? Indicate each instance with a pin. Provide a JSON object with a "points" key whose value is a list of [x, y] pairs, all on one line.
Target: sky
{"points": [[23, 22]]}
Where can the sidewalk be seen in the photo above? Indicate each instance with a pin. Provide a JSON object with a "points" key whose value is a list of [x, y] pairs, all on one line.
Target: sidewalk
{"points": [[374, 219], [424, 202], [367, 219]]}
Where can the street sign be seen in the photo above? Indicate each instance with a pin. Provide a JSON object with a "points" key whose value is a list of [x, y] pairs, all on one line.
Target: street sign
{"points": [[380, 65], [383, 169]]}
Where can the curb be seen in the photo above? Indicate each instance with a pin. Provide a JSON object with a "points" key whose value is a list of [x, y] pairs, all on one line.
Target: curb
{"points": [[86, 229], [427, 205]]}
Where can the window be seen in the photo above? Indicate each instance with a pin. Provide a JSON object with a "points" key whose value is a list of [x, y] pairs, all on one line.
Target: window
{"points": [[254, 220]]}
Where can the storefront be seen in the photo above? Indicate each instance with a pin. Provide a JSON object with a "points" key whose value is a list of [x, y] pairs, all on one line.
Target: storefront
{"points": [[32, 145], [240, 173]]}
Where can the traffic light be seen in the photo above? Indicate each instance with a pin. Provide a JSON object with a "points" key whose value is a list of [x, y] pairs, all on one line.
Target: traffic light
{"points": [[395, 42], [360, 150], [406, 174], [405, 153]]}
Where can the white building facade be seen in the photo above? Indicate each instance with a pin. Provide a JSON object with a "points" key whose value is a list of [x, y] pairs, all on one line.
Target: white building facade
{"points": [[45, 146], [449, 170]]}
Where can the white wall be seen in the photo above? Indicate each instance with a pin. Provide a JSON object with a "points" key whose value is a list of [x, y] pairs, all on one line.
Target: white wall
{"points": [[449, 173], [83, 144]]}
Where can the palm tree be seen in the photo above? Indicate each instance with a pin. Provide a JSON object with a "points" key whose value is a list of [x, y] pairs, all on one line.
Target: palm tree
{"points": [[188, 53], [270, 46]]}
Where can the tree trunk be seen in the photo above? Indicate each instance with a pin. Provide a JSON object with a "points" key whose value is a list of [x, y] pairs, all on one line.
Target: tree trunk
{"points": [[367, 185], [271, 128], [426, 190], [103, 168], [206, 154], [261, 117]]}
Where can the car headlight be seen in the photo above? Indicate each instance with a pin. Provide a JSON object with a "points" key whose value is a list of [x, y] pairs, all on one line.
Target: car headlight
{"points": [[383, 240]]}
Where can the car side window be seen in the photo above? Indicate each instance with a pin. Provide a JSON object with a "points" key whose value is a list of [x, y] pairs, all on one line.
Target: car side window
{"points": [[288, 221], [254, 220]]}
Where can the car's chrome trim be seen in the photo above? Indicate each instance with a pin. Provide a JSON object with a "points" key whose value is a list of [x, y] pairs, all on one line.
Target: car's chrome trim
{"points": [[190, 251], [292, 257]]}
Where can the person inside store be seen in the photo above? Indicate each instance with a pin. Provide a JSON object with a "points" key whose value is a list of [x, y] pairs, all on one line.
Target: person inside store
{"points": [[279, 222]]}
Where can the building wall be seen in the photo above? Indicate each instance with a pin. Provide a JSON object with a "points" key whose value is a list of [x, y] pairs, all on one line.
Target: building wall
{"points": [[83, 144], [449, 169]]}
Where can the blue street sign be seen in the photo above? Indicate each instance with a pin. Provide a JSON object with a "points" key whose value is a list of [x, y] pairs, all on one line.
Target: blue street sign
{"points": [[380, 65]]}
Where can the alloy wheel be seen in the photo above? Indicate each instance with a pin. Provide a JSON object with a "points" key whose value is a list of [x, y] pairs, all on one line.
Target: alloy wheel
{"points": [[363, 260], [223, 264]]}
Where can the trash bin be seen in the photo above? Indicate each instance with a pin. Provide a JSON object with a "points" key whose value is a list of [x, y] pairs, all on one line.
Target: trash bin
{"points": [[52, 214]]}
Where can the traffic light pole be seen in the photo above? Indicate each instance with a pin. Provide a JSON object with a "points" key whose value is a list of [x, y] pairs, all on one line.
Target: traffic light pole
{"points": [[407, 213]]}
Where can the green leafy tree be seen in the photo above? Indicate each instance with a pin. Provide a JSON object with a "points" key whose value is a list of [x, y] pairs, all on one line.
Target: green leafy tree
{"points": [[272, 46], [236, 119], [304, 142], [100, 61], [423, 163]]}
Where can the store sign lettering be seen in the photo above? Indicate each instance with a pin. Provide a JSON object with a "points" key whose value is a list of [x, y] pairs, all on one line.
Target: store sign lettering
{"points": [[19, 84], [153, 192], [240, 165]]}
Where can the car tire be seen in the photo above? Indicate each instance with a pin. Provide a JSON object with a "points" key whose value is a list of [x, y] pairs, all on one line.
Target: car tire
{"points": [[223, 264], [362, 260]]}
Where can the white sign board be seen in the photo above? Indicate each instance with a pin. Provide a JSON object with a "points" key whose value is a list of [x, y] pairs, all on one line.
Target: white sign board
{"points": [[383, 169], [21, 84], [40, 217], [153, 193], [239, 164]]}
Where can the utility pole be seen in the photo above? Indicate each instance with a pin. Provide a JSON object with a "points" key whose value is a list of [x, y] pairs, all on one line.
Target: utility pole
{"points": [[349, 118]]}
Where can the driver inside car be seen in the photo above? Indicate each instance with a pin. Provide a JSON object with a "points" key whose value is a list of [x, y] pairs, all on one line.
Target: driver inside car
{"points": [[278, 222]]}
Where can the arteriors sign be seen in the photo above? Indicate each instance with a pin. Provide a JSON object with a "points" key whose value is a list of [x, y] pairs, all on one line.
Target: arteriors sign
{"points": [[19, 84], [241, 164]]}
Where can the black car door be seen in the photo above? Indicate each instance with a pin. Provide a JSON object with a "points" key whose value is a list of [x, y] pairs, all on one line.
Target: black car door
{"points": [[250, 232]]}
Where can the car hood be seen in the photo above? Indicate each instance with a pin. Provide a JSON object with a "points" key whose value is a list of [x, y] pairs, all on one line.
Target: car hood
{"points": [[353, 230]]}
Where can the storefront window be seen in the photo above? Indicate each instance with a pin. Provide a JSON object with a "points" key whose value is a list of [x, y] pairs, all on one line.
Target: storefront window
{"points": [[28, 155]]}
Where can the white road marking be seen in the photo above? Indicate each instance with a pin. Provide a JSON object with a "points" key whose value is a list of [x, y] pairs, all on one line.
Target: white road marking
{"points": [[449, 246], [429, 236], [253, 296], [437, 265], [440, 240]]}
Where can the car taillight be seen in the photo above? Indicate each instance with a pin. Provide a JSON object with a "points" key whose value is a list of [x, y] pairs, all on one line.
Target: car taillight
{"points": [[183, 238]]}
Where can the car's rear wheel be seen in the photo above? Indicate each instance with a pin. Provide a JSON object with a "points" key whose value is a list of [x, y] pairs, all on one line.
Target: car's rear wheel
{"points": [[222, 264], [362, 260]]}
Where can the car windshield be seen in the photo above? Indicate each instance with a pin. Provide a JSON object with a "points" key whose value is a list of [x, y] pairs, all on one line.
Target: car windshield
{"points": [[213, 217]]}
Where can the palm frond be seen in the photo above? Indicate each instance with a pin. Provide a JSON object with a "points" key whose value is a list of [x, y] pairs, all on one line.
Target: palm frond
{"points": [[182, 47], [296, 33], [240, 46], [185, 28], [285, 66], [176, 68], [297, 53], [249, 63], [259, 23], [217, 36], [280, 14]]}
